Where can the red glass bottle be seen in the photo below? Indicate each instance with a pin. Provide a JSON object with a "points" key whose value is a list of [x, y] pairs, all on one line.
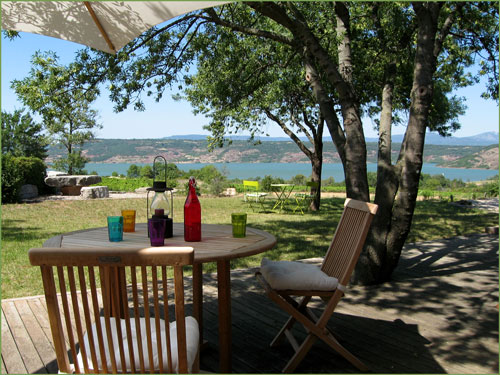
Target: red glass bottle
{"points": [[192, 214]]}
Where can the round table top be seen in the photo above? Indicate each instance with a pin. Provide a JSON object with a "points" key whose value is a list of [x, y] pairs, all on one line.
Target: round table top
{"points": [[217, 241]]}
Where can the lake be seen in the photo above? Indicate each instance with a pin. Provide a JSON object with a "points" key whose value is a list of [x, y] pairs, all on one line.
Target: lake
{"points": [[288, 170]]}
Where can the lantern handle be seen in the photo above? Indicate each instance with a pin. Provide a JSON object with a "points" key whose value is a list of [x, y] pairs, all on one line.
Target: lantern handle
{"points": [[165, 168]]}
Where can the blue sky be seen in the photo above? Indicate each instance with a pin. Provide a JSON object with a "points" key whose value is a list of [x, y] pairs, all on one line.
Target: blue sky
{"points": [[171, 117]]}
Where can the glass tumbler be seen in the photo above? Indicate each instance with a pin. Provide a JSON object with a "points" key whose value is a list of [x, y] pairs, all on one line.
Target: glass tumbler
{"points": [[115, 228], [156, 228], [239, 222], [128, 220]]}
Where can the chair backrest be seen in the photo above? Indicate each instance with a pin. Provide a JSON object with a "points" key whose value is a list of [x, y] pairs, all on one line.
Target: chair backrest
{"points": [[250, 185], [121, 294], [348, 240]]}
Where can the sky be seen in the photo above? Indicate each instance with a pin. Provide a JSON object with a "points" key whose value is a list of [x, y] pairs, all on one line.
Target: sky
{"points": [[169, 117]]}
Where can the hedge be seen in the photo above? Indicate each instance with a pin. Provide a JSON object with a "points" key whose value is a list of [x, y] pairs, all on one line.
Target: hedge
{"points": [[18, 171]]}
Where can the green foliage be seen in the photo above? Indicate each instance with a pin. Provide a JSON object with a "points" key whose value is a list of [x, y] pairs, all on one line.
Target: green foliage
{"points": [[490, 190], [299, 179], [21, 136], [125, 184], [133, 171], [173, 172], [372, 179], [17, 171], [330, 181], [55, 93], [206, 173], [147, 172], [73, 163], [439, 182], [265, 183]]}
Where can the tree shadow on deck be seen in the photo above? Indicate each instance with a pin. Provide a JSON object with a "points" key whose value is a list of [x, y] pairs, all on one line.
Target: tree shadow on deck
{"points": [[438, 314], [385, 345]]}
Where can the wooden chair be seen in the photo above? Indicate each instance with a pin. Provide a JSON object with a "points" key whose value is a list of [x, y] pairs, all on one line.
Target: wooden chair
{"points": [[339, 263], [124, 328], [252, 195], [303, 200]]}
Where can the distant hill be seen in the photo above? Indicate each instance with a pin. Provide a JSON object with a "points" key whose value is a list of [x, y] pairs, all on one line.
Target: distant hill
{"points": [[177, 150], [483, 139]]}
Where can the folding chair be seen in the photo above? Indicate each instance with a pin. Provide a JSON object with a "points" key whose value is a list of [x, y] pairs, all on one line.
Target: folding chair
{"points": [[303, 200], [338, 265], [125, 328], [252, 195]]}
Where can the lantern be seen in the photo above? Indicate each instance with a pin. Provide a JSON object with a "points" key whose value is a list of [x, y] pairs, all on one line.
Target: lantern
{"points": [[162, 202]]}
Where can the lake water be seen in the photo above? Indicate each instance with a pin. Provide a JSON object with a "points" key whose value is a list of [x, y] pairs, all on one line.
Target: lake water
{"points": [[288, 170]]}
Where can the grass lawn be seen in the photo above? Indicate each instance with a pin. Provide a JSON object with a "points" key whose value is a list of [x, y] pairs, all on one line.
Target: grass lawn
{"points": [[299, 236]]}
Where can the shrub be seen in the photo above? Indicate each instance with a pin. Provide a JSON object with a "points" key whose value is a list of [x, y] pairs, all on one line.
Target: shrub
{"points": [[299, 179], [217, 185], [17, 171], [133, 171], [330, 181], [124, 184], [265, 184], [147, 172], [427, 194]]}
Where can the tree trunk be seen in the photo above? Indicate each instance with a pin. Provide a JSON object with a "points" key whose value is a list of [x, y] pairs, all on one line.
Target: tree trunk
{"points": [[393, 221], [373, 257], [317, 164], [356, 179], [413, 144]]}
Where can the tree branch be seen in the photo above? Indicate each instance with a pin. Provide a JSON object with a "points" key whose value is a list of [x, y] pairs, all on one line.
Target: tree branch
{"points": [[445, 30], [291, 134], [213, 17]]}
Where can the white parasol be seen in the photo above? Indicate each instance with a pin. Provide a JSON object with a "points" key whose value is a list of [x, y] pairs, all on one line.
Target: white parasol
{"points": [[103, 25]]}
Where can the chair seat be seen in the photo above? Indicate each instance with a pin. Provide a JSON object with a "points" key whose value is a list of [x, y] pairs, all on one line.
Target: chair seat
{"points": [[286, 275], [192, 343]]}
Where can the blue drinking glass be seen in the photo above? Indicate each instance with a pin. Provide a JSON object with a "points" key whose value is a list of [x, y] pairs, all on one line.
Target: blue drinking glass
{"points": [[115, 228]]}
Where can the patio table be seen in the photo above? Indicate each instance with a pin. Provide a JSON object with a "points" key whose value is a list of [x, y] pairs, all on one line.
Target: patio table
{"points": [[217, 245], [282, 192]]}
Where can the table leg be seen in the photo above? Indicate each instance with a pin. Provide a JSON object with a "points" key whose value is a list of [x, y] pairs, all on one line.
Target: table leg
{"points": [[224, 295], [198, 297]]}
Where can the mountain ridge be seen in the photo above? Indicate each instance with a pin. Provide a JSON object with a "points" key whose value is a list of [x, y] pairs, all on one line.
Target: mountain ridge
{"points": [[135, 151], [482, 139]]}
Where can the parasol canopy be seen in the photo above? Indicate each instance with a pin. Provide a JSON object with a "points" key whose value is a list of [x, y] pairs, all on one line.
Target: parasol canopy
{"points": [[104, 25]]}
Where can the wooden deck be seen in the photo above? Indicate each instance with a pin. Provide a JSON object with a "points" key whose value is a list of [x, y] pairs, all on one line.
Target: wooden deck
{"points": [[438, 315]]}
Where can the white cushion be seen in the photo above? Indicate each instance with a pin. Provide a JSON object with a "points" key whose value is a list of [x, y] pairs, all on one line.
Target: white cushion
{"points": [[192, 340], [284, 275]]}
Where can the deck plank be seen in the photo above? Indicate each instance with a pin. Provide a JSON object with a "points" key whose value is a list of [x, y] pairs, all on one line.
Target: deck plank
{"points": [[38, 336], [11, 358], [26, 347]]}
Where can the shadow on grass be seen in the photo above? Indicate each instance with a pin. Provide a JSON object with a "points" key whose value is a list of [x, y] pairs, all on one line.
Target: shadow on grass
{"points": [[303, 235], [18, 230]]}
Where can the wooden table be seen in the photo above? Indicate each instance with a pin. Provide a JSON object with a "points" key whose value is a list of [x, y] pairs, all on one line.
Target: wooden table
{"points": [[282, 192], [217, 245]]}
